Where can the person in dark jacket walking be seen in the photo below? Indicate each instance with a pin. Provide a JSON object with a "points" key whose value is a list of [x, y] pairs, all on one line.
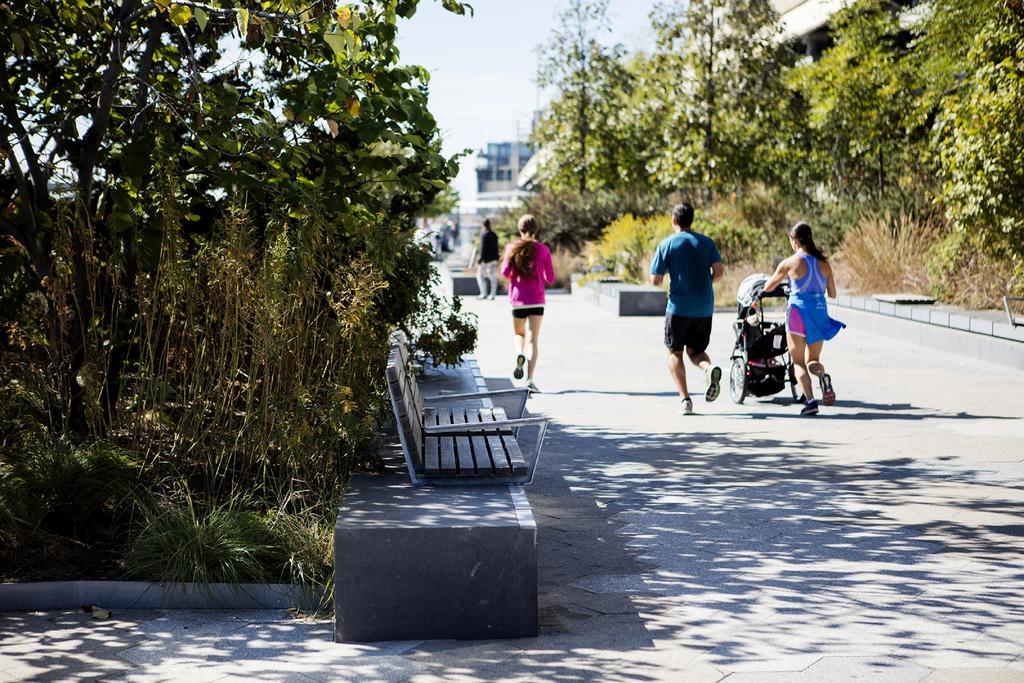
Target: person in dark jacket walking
{"points": [[487, 261]]}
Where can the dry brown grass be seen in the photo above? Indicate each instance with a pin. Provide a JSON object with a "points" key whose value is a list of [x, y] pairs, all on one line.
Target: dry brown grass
{"points": [[735, 273], [886, 254], [565, 264]]}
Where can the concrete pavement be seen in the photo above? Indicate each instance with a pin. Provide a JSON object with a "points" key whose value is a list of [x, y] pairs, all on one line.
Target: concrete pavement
{"points": [[878, 541]]}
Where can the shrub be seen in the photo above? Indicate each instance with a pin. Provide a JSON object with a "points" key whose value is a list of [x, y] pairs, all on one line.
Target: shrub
{"points": [[439, 331], [179, 541], [64, 488], [565, 264], [568, 220], [737, 241], [962, 271], [885, 254], [627, 246]]}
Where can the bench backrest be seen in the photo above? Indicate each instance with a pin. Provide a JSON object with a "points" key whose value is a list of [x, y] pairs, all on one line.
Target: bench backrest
{"points": [[406, 401]]}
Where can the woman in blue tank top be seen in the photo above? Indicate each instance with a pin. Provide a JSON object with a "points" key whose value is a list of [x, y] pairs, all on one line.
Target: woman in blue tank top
{"points": [[808, 324]]}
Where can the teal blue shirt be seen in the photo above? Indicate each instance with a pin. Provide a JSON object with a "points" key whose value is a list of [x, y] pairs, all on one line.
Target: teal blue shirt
{"points": [[687, 258]]}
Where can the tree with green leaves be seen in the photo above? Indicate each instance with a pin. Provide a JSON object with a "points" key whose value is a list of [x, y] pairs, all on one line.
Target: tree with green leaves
{"points": [[979, 138], [865, 108], [578, 131], [717, 74], [110, 107]]}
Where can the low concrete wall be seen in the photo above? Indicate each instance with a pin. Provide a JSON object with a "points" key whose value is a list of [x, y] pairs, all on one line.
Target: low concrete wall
{"points": [[962, 334], [622, 299], [457, 283], [147, 595], [426, 562]]}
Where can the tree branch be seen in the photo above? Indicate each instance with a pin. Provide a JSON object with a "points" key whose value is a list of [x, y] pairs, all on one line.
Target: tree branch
{"points": [[93, 138], [156, 30], [41, 194]]}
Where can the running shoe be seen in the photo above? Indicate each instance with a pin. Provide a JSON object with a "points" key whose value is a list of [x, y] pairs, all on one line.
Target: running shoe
{"points": [[532, 387], [520, 362], [687, 408], [714, 389], [810, 408], [828, 394]]}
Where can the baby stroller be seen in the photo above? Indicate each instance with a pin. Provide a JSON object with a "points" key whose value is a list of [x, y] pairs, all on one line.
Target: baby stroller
{"points": [[761, 365]]}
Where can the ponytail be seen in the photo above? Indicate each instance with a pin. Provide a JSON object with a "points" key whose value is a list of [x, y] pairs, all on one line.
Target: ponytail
{"points": [[524, 251], [801, 232]]}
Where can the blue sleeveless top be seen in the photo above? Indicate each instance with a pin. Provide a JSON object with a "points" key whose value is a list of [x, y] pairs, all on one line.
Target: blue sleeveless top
{"points": [[812, 282], [807, 296]]}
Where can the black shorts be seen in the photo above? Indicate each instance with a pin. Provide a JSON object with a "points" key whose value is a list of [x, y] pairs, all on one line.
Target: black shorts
{"points": [[691, 334], [527, 312]]}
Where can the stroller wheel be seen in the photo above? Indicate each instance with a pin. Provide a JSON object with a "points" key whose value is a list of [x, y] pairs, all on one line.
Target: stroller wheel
{"points": [[738, 380]]}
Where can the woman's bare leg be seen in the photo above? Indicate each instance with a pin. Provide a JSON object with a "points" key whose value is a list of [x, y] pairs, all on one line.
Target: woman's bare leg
{"points": [[814, 365], [798, 353], [519, 329], [535, 321]]}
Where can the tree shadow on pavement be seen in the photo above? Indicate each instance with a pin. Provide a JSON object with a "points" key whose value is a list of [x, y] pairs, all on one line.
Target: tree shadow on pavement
{"points": [[664, 552]]}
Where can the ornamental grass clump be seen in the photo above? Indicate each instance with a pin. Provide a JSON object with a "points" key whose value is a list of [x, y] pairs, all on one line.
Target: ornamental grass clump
{"points": [[183, 541], [887, 254]]}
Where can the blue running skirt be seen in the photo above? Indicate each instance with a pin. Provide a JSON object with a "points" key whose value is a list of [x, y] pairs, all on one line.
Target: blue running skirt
{"points": [[813, 312]]}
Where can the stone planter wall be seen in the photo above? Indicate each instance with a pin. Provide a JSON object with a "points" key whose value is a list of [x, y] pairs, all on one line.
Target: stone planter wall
{"points": [[622, 299]]}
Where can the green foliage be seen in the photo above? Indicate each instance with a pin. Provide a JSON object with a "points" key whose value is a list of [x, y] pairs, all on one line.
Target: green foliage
{"points": [[316, 109], [980, 139], [737, 241], [446, 201], [965, 271], [870, 139], [588, 138], [182, 537], [628, 244], [568, 220], [439, 330], [716, 73], [203, 264], [63, 488], [179, 542]]}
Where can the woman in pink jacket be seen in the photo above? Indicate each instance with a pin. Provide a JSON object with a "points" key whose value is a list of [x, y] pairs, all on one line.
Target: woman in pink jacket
{"points": [[527, 265]]}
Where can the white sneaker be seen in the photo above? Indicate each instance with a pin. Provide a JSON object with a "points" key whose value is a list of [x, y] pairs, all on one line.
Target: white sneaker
{"points": [[687, 408]]}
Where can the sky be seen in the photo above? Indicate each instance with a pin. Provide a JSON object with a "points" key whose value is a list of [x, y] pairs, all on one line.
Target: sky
{"points": [[483, 68]]}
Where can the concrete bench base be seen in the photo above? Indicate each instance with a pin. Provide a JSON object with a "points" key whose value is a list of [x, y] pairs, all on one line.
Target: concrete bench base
{"points": [[466, 285], [422, 562], [623, 299]]}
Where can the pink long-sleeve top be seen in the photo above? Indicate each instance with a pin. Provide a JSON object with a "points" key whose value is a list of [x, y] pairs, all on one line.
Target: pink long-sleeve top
{"points": [[527, 291]]}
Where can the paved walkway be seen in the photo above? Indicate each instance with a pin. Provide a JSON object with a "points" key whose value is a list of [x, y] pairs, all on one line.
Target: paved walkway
{"points": [[878, 541]]}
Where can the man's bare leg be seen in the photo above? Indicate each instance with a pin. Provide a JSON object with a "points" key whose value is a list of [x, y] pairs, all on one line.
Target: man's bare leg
{"points": [[702, 360], [678, 372]]}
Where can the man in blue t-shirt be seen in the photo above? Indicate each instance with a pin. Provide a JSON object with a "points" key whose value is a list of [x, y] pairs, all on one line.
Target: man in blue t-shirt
{"points": [[693, 264]]}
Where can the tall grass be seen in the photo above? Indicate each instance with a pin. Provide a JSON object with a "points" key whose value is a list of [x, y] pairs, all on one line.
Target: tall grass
{"points": [[887, 254], [182, 541], [565, 263], [249, 364]]}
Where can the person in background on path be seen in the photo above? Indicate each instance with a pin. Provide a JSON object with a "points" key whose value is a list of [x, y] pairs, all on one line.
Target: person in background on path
{"points": [[808, 324], [527, 265], [692, 263], [446, 237], [487, 261]]}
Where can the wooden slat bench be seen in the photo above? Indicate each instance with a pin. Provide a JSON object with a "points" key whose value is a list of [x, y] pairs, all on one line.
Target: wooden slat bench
{"points": [[449, 444]]}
